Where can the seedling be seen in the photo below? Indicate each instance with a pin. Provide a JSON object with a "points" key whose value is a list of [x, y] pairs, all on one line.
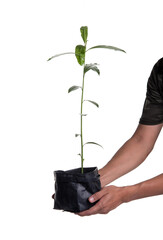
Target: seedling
{"points": [[80, 53]]}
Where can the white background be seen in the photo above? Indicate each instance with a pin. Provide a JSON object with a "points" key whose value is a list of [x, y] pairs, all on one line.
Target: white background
{"points": [[38, 118]]}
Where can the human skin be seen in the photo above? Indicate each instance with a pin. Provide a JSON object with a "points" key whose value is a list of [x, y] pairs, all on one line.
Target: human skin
{"points": [[127, 158]]}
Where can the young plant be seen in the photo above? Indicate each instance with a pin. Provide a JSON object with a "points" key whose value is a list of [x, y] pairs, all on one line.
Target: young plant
{"points": [[80, 53]]}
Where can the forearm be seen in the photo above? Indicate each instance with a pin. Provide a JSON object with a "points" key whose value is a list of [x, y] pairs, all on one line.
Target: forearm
{"points": [[128, 157], [131, 154], [151, 187]]}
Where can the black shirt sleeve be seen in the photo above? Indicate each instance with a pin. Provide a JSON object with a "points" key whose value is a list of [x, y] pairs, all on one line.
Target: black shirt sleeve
{"points": [[152, 113]]}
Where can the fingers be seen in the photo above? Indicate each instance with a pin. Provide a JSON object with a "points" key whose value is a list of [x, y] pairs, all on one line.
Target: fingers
{"points": [[93, 210], [98, 195], [99, 207]]}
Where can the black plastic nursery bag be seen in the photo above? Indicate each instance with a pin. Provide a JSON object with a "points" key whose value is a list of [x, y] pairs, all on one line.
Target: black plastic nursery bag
{"points": [[72, 189]]}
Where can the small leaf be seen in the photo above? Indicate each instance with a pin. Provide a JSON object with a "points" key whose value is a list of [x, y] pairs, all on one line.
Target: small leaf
{"points": [[76, 135], [96, 104], [79, 154], [93, 143], [107, 47], [73, 88], [84, 33], [80, 54], [83, 115], [91, 66], [57, 55]]}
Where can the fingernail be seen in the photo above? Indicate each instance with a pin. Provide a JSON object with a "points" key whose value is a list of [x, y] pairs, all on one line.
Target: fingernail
{"points": [[91, 199]]}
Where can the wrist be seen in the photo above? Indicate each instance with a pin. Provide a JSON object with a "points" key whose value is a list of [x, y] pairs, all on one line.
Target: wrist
{"points": [[129, 193], [103, 177]]}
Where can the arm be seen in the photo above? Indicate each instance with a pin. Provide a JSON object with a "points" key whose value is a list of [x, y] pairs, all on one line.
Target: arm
{"points": [[111, 197], [151, 187], [131, 154], [128, 157]]}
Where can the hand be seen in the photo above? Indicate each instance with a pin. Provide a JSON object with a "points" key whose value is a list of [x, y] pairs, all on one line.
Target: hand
{"points": [[109, 198]]}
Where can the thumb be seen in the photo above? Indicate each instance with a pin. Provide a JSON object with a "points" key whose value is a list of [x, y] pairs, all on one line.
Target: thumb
{"points": [[95, 197]]}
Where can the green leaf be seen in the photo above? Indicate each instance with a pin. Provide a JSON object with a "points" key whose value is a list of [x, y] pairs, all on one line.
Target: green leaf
{"points": [[80, 54], [76, 135], [57, 55], [83, 115], [93, 143], [91, 66], [73, 88], [96, 104], [84, 33], [107, 47]]}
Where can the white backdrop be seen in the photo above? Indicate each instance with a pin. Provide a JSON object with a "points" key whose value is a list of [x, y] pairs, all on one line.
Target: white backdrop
{"points": [[38, 118]]}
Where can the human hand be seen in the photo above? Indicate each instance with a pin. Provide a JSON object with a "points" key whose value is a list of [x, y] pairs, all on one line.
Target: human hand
{"points": [[109, 198]]}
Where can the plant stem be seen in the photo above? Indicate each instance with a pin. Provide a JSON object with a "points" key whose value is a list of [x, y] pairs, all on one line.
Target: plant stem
{"points": [[81, 119]]}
